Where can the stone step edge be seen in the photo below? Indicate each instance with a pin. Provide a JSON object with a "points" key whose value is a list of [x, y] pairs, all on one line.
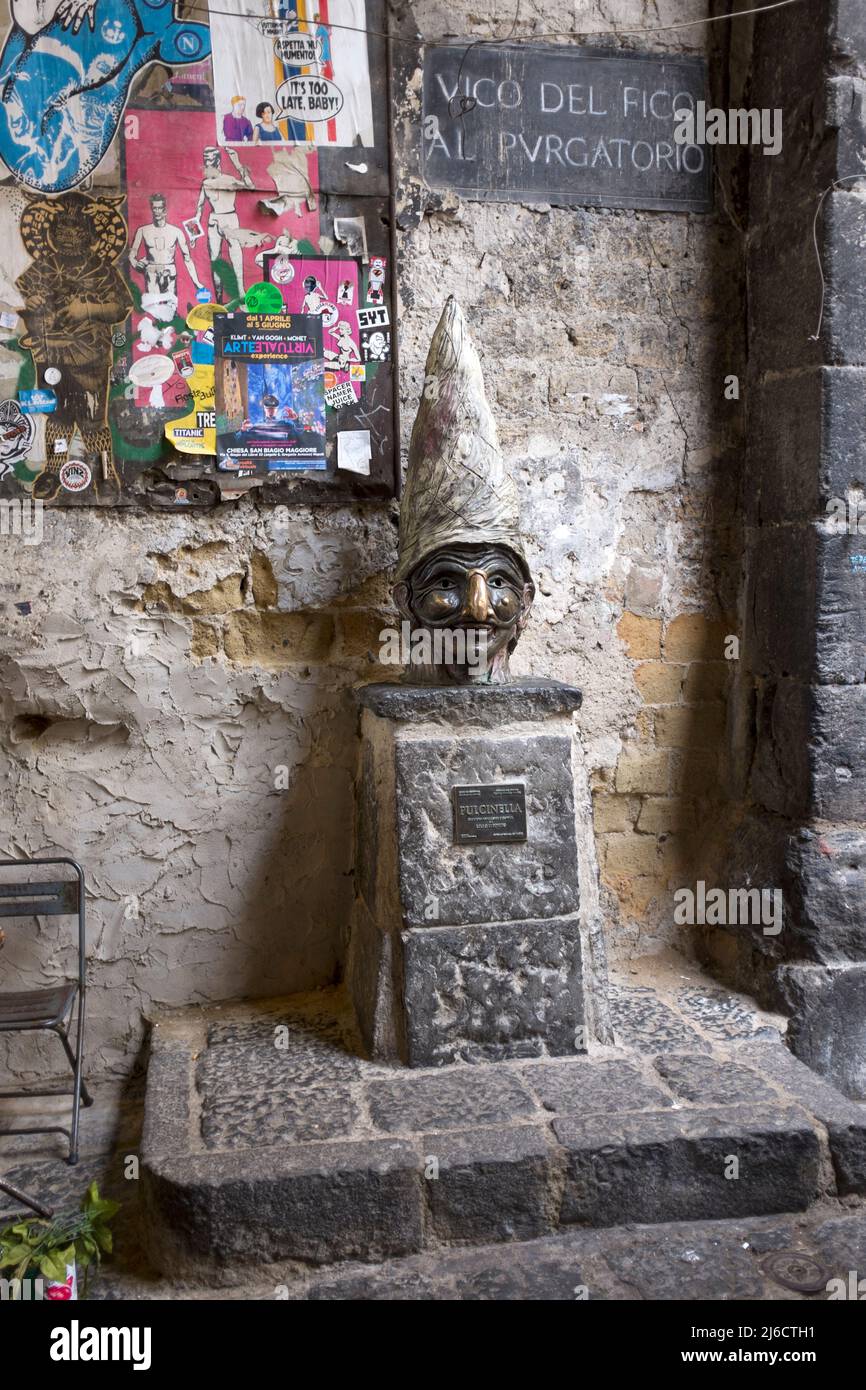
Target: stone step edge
{"points": [[377, 1199], [172, 1103]]}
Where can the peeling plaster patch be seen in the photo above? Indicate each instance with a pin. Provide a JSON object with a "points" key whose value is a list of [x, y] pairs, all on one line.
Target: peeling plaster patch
{"points": [[120, 750], [612, 404]]}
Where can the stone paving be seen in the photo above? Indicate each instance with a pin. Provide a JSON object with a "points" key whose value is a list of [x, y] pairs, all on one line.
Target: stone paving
{"points": [[277, 1162], [268, 1137], [711, 1260]]}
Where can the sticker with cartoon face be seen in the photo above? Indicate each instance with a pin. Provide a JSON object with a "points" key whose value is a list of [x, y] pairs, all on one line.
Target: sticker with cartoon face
{"points": [[376, 280], [376, 345], [17, 432]]}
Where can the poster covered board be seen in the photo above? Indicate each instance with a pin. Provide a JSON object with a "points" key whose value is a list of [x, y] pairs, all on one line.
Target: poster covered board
{"points": [[146, 197], [270, 395]]}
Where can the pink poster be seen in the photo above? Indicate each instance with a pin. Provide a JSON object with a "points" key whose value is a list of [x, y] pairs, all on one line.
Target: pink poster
{"points": [[201, 221], [330, 289]]}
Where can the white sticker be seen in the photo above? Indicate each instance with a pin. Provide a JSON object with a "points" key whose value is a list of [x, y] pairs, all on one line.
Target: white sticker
{"points": [[354, 451], [341, 395], [60, 446], [52, 376], [373, 318], [8, 320]]}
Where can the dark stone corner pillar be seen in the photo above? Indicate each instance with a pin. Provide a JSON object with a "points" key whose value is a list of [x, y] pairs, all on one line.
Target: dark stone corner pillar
{"points": [[804, 628], [474, 952]]}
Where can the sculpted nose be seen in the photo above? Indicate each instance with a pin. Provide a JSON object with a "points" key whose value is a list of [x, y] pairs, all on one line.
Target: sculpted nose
{"points": [[478, 597]]}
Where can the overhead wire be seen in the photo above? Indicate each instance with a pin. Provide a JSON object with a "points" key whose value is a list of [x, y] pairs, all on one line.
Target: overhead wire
{"points": [[511, 38]]}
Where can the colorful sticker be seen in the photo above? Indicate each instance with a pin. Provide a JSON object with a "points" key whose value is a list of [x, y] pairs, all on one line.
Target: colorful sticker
{"points": [[201, 351], [263, 298], [376, 280], [75, 475], [195, 433], [38, 402], [17, 432]]}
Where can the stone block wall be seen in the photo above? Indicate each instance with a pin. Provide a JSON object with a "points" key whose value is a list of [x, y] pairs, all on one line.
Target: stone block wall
{"points": [[656, 811], [799, 703]]}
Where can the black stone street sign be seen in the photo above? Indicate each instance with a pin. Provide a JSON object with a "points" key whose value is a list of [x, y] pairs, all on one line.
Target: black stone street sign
{"points": [[489, 815], [563, 125]]}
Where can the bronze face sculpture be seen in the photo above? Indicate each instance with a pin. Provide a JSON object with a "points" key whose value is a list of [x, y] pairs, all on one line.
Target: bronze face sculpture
{"points": [[463, 584]]}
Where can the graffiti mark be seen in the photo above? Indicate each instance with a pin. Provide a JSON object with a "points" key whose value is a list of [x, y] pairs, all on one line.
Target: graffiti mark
{"points": [[73, 295]]}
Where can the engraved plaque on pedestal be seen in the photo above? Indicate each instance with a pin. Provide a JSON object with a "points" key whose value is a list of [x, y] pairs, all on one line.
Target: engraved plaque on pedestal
{"points": [[489, 814]]}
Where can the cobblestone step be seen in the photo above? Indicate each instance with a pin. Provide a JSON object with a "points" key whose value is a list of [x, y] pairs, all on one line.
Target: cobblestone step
{"points": [[269, 1138]]}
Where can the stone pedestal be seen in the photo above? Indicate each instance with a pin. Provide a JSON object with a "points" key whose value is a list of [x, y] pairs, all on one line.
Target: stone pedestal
{"points": [[482, 951]]}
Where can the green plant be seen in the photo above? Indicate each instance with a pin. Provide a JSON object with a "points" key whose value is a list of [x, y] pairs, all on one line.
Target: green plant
{"points": [[78, 1238]]}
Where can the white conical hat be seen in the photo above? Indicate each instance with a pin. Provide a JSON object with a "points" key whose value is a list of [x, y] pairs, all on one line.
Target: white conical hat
{"points": [[458, 489]]}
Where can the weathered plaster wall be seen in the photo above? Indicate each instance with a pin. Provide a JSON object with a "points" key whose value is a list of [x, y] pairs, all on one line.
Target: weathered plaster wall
{"points": [[170, 665]]}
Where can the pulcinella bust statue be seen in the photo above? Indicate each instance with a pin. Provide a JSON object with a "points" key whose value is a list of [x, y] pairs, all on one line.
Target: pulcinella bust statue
{"points": [[462, 582]]}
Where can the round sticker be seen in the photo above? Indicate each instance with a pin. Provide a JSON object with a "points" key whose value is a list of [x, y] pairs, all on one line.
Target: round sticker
{"points": [[330, 380], [201, 316], [75, 475], [282, 270], [52, 376], [330, 314], [263, 299], [150, 371], [203, 295]]}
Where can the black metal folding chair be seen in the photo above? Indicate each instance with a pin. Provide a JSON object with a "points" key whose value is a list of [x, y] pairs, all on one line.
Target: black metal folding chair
{"points": [[51, 1008]]}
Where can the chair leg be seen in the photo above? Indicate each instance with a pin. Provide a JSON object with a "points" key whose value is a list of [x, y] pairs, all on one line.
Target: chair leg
{"points": [[86, 1097], [79, 1090]]}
